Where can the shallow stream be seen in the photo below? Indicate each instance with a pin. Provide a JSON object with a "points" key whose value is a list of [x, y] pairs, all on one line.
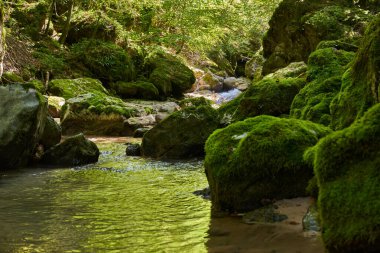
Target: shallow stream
{"points": [[118, 205]]}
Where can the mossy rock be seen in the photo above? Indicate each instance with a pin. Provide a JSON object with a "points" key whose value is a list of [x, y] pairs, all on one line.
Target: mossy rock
{"points": [[138, 89], [74, 151], [93, 25], [360, 84], [338, 45], [259, 158], [294, 69], [325, 69], [347, 164], [181, 135], [96, 114], [270, 96], [195, 102], [70, 88], [106, 61], [10, 77], [169, 74], [297, 27], [23, 114], [55, 106]]}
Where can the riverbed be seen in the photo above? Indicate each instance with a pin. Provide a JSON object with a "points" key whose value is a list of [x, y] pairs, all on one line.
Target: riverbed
{"points": [[125, 204]]}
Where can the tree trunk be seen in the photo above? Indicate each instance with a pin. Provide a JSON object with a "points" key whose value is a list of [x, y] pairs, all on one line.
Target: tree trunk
{"points": [[66, 29], [2, 38]]}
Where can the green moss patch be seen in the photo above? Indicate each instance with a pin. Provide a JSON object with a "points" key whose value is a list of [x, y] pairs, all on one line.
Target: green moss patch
{"points": [[360, 84], [259, 158], [325, 69], [347, 166], [107, 61], [69, 88], [270, 96]]}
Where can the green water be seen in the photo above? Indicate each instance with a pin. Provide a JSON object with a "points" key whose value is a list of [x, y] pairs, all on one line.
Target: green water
{"points": [[118, 205]]}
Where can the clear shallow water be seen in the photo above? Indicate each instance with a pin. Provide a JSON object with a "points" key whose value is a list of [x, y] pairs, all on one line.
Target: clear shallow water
{"points": [[118, 205]]}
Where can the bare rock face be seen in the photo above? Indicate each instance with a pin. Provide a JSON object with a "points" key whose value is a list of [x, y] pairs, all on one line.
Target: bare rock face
{"points": [[23, 114]]}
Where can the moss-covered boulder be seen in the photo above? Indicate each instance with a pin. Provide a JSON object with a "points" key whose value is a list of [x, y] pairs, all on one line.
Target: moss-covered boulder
{"points": [[169, 74], [270, 96], [74, 151], [294, 70], [51, 134], [181, 135], [70, 88], [96, 114], [360, 84], [297, 27], [92, 25], [138, 89], [106, 61], [258, 159], [23, 115], [347, 164], [325, 69]]}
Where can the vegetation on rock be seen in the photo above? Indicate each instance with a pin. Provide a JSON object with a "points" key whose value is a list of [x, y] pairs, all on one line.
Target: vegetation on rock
{"points": [[346, 164], [259, 158]]}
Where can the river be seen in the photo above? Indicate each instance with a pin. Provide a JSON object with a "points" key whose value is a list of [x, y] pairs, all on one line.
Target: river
{"points": [[121, 204]]}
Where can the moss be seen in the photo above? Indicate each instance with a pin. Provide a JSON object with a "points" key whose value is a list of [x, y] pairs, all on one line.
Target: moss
{"points": [[169, 74], [270, 96], [93, 25], [138, 89], [70, 88], [194, 102], [181, 135], [325, 69], [360, 83], [107, 61], [338, 45], [10, 77], [347, 168], [31, 17], [259, 158]]}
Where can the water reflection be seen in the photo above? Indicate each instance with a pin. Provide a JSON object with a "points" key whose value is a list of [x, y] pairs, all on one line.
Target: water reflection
{"points": [[119, 205]]}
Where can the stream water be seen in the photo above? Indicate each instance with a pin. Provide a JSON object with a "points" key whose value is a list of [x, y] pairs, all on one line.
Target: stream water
{"points": [[121, 204]]}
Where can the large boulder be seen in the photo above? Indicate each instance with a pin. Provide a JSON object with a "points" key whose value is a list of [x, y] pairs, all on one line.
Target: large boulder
{"points": [[74, 151], [96, 114], [258, 159], [360, 83], [23, 115], [51, 134], [138, 89], [70, 88], [106, 60], [181, 135], [297, 27], [91, 25], [270, 96], [169, 74], [325, 69], [347, 164]]}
